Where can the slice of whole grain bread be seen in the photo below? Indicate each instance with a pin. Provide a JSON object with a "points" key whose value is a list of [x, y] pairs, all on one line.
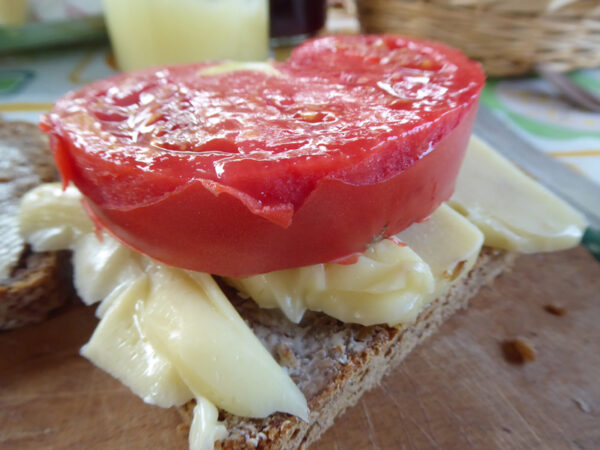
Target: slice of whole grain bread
{"points": [[335, 363], [30, 283]]}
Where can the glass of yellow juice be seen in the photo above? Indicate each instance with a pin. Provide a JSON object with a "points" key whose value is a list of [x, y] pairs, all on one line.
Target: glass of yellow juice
{"points": [[154, 32]]}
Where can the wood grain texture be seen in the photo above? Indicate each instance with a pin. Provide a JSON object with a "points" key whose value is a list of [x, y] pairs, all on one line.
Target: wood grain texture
{"points": [[455, 391]]}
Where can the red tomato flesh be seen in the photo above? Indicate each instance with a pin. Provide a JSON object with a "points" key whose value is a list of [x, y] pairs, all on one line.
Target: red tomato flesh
{"points": [[246, 172]]}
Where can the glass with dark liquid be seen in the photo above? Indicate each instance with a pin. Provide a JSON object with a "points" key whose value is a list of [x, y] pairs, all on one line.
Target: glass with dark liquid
{"points": [[292, 21]]}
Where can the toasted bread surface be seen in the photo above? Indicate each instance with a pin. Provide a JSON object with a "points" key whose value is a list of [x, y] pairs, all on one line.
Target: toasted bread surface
{"points": [[334, 363]]}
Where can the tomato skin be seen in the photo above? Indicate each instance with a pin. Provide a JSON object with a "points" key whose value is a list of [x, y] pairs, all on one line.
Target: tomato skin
{"points": [[246, 199], [223, 237]]}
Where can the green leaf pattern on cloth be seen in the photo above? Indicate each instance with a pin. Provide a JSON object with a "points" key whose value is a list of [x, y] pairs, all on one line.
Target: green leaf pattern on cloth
{"points": [[536, 111]]}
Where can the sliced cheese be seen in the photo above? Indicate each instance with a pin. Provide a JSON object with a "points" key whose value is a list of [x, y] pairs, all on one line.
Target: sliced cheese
{"points": [[381, 287], [513, 211], [448, 243], [206, 428], [390, 283], [103, 267], [214, 351], [51, 218], [120, 347]]}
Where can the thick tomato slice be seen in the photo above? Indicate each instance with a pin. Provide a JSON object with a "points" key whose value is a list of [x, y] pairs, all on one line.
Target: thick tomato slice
{"points": [[247, 171]]}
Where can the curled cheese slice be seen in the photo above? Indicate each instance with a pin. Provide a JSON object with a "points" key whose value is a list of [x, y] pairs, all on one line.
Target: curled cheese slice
{"points": [[390, 283], [52, 219], [448, 243], [120, 346], [513, 211], [190, 320], [206, 428], [383, 286]]}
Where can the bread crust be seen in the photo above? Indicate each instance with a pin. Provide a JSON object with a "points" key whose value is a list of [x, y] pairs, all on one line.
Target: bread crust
{"points": [[36, 288], [334, 363]]}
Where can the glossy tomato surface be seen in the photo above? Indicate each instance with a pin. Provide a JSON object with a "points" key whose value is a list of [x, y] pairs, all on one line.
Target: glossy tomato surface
{"points": [[237, 170]]}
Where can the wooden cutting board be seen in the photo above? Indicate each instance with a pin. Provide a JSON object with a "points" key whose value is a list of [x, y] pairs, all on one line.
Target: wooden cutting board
{"points": [[456, 391]]}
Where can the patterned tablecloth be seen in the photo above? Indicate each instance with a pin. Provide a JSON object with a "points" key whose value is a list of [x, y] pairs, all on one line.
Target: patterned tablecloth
{"points": [[535, 110]]}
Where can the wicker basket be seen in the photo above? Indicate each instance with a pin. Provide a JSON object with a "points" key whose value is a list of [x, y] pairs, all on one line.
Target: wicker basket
{"points": [[509, 37]]}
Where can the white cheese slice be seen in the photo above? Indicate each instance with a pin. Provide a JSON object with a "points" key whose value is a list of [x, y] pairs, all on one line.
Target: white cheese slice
{"points": [[213, 349], [390, 283], [101, 268], [513, 211], [120, 347], [52, 218], [206, 428], [381, 287], [448, 243]]}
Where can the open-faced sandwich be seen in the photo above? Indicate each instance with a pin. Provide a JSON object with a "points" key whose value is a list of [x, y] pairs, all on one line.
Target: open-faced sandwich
{"points": [[314, 189]]}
